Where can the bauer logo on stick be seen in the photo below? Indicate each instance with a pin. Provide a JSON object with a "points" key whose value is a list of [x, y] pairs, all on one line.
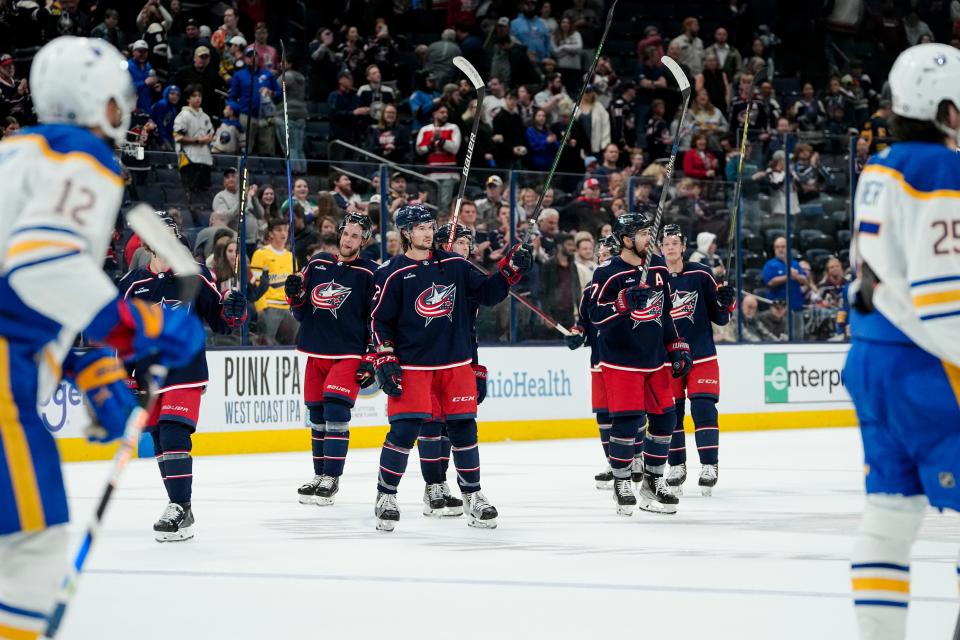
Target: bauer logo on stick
{"points": [[329, 296], [436, 302]]}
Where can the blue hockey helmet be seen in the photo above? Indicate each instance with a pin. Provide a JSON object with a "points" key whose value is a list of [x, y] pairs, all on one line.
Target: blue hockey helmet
{"points": [[443, 234], [411, 215], [629, 224], [672, 230], [362, 219], [610, 243], [170, 223]]}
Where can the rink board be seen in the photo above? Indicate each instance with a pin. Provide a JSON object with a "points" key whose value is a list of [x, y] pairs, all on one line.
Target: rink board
{"points": [[253, 403]]}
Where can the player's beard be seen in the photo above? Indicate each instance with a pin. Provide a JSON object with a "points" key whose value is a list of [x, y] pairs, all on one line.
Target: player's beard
{"points": [[349, 254]]}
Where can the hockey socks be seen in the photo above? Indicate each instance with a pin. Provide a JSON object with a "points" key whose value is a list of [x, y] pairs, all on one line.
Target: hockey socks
{"points": [[678, 443], [172, 443], [603, 422], [445, 449], [466, 454], [707, 433], [430, 448], [880, 567], [395, 453], [315, 422], [337, 437], [656, 445], [623, 442], [638, 443]]}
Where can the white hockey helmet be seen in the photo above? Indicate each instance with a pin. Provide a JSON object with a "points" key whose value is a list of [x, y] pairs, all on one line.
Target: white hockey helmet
{"points": [[921, 78], [73, 79]]}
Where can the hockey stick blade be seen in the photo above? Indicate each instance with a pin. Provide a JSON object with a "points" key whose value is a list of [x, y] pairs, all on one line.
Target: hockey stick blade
{"points": [[682, 82], [468, 70], [145, 223]]}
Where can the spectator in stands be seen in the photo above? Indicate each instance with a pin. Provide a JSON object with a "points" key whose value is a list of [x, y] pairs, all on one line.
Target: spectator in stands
{"points": [[688, 209], [690, 45], [811, 114], [163, 113], [267, 197], [587, 22], [549, 226], [560, 281], [774, 321], [914, 28], [14, 94], [440, 55], [706, 253], [877, 128], [605, 81], [609, 166], [73, 20], [204, 245], [708, 119], [142, 74], [381, 50], [776, 174], [232, 57], [585, 259], [439, 143], [305, 235], [10, 127], [393, 243], [191, 42], [323, 70], [809, 175], [650, 47], [254, 90], [553, 94], [493, 100], [275, 323], [388, 138], [267, 57], [746, 100], [222, 266], [109, 31], [595, 121], [768, 98], [229, 138], [541, 142], [301, 196], [714, 82], [471, 47], [227, 199], [519, 68], [296, 85], [728, 57], [193, 133], [832, 287], [546, 14], [753, 329], [862, 154], [509, 135], [350, 55], [527, 201], [587, 212], [657, 131], [838, 97], [525, 105], [567, 50], [531, 31], [424, 99], [699, 162], [154, 12], [347, 117], [493, 198], [374, 95], [326, 224], [776, 276], [230, 27], [202, 72], [342, 192]]}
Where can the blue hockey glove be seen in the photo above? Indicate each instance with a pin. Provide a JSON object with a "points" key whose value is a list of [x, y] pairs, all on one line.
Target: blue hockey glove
{"points": [[480, 372], [727, 297], [172, 337], [366, 373], [102, 379], [576, 339], [632, 298], [389, 374], [517, 262], [234, 310], [679, 353]]}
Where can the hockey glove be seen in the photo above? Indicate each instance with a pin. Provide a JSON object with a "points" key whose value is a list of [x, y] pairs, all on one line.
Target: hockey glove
{"points": [[103, 380], [860, 292], [139, 329], [727, 298], [632, 298], [576, 339], [680, 359], [366, 373], [388, 373], [234, 311], [480, 372], [293, 288], [517, 262]]}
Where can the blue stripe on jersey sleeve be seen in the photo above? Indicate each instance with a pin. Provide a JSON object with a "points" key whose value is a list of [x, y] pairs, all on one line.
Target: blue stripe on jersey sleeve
{"points": [[66, 138], [938, 280]]}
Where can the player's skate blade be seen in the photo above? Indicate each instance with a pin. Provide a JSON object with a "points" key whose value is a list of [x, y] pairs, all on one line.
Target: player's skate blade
{"points": [[604, 479], [708, 479], [175, 525], [676, 476], [655, 496], [386, 511], [434, 505], [307, 493], [482, 514], [453, 506], [327, 490], [623, 496]]}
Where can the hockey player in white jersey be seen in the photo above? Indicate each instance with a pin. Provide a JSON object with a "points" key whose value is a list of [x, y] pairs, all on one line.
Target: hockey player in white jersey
{"points": [[903, 369], [59, 200]]}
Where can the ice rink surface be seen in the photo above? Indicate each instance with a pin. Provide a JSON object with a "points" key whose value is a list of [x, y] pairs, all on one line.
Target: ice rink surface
{"points": [[766, 557]]}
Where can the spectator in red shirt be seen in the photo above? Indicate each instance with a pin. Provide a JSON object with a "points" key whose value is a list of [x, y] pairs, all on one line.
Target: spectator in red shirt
{"points": [[698, 162]]}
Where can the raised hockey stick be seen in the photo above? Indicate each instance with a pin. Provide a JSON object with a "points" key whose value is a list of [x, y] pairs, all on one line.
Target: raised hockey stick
{"points": [[286, 155], [470, 71], [239, 265], [546, 317], [684, 84], [154, 233], [573, 118]]}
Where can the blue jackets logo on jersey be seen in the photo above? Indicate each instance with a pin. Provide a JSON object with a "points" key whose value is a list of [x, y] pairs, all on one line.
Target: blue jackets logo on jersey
{"points": [[651, 312], [329, 296], [684, 303], [169, 303], [436, 302]]}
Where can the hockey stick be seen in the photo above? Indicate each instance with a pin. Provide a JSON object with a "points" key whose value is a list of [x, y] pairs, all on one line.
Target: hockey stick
{"points": [[738, 187], [573, 118], [546, 317], [681, 79], [286, 135], [470, 71], [239, 266], [155, 234]]}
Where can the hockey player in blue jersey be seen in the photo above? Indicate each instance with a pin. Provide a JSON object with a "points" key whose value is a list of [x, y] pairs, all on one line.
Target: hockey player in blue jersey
{"points": [[59, 198], [639, 347], [697, 304], [903, 367], [585, 333], [433, 445], [421, 323], [331, 298], [174, 418]]}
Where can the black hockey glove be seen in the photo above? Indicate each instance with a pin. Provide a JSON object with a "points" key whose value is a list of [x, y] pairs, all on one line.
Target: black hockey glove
{"points": [[727, 297], [517, 262], [679, 353], [632, 298], [293, 288], [388, 373], [860, 291], [480, 372], [366, 373], [234, 311], [576, 339]]}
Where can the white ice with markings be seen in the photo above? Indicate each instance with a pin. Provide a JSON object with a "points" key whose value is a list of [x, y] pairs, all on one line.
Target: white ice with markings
{"points": [[766, 557]]}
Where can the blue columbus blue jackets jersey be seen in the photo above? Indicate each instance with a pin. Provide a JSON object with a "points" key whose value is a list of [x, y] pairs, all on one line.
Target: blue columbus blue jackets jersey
{"points": [[694, 307], [163, 289], [633, 340], [334, 313], [424, 308], [587, 327]]}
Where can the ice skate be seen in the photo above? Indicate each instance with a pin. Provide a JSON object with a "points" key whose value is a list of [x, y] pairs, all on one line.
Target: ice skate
{"points": [[708, 479], [676, 476], [604, 479], [655, 495], [454, 506], [636, 469], [327, 490], [623, 496], [175, 524], [308, 491], [386, 511], [483, 515], [434, 505]]}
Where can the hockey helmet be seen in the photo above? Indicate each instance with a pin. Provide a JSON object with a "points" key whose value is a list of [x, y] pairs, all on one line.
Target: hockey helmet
{"points": [[170, 223], [672, 230], [443, 234], [922, 77], [73, 79], [411, 215], [366, 227], [629, 224], [610, 243]]}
